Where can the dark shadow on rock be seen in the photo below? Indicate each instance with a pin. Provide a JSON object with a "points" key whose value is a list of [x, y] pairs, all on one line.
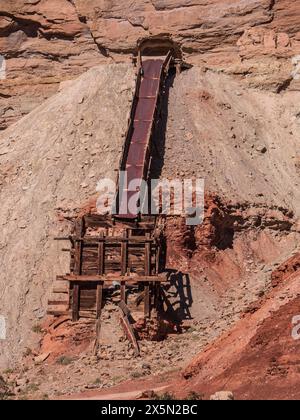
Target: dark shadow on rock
{"points": [[177, 297]]}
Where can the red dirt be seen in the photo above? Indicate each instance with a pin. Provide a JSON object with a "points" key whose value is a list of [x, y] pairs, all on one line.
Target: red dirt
{"points": [[229, 261], [67, 339], [258, 358]]}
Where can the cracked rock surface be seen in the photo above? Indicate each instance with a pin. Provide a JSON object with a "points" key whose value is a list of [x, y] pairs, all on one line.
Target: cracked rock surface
{"points": [[49, 41]]}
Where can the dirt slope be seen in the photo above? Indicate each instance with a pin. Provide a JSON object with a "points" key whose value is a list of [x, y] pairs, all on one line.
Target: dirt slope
{"points": [[50, 163], [244, 142], [258, 358], [52, 159]]}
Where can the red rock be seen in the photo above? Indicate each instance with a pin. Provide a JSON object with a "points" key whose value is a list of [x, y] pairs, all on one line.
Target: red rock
{"points": [[50, 41]]}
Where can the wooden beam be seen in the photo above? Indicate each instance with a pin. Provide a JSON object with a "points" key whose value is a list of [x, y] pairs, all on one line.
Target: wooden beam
{"points": [[124, 308], [57, 312], [148, 256], [110, 239], [58, 302], [157, 300], [147, 300], [97, 339], [75, 303], [139, 299], [124, 253], [158, 255], [101, 256], [127, 279], [123, 291], [125, 315], [78, 257], [99, 300], [80, 227]]}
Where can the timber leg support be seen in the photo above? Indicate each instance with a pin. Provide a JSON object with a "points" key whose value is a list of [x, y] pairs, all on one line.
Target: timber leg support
{"points": [[99, 300], [75, 303], [123, 291], [147, 309]]}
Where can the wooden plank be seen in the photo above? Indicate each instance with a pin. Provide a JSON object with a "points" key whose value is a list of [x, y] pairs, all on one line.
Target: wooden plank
{"points": [[157, 262], [97, 339], [58, 308], [99, 300], [88, 294], [124, 308], [87, 314], [101, 255], [94, 240], [158, 300], [88, 305], [130, 334], [59, 322], [123, 291], [147, 256], [62, 289], [58, 302], [147, 300], [139, 299], [57, 312], [128, 279], [80, 227], [75, 303], [78, 257], [124, 253]]}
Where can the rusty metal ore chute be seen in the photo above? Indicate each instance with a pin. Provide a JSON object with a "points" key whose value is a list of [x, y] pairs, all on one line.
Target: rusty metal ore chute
{"points": [[121, 257]]}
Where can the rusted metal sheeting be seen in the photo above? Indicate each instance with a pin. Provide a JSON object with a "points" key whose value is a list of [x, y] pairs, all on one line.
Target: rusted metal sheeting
{"points": [[152, 68], [138, 155], [141, 128], [145, 109], [149, 88]]}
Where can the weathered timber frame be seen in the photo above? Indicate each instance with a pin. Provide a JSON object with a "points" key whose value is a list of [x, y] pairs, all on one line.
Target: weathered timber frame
{"points": [[113, 256]]}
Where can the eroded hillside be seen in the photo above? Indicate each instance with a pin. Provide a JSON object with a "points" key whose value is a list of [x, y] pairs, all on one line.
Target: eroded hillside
{"points": [[231, 117]]}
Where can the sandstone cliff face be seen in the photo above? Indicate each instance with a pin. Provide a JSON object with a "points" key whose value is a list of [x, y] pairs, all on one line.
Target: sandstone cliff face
{"points": [[44, 43], [47, 41]]}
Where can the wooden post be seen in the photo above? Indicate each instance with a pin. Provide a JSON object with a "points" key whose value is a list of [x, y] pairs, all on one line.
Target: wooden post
{"points": [[148, 255], [101, 255], [99, 300], [75, 303], [124, 253], [124, 258], [123, 291], [97, 339], [76, 288], [147, 303], [157, 300], [78, 257], [158, 253], [147, 300], [80, 227]]}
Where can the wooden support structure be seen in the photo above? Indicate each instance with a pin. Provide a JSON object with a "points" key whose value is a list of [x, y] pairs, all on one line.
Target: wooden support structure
{"points": [[123, 291], [128, 329], [75, 303], [147, 255], [99, 300], [116, 254], [120, 249], [110, 279], [147, 308], [101, 255], [97, 339], [124, 253]]}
